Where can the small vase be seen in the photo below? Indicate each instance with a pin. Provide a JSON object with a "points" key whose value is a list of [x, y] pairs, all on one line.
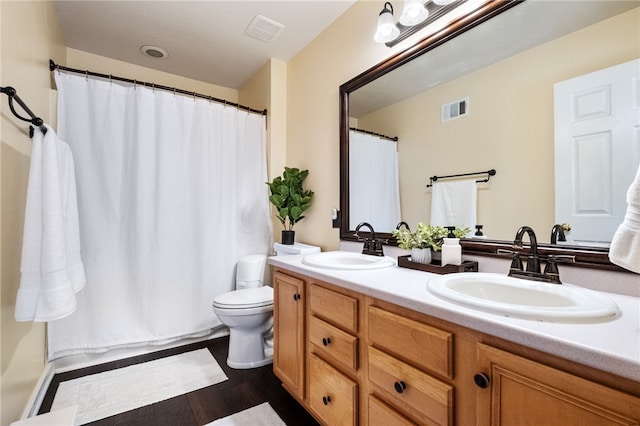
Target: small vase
{"points": [[421, 255], [288, 237]]}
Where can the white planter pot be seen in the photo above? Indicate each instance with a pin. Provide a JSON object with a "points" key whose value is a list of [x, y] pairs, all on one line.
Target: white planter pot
{"points": [[421, 255]]}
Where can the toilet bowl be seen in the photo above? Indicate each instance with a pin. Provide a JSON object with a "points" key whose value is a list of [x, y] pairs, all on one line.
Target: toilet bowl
{"points": [[249, 315], [248, 311]]}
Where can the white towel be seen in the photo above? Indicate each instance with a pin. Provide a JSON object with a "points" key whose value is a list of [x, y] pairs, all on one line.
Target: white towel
{"points": [[52, 270], [454, 203], [625, 246]]}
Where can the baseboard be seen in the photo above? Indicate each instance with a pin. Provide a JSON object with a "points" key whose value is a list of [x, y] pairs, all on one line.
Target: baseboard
{"points": [[39, 392]]}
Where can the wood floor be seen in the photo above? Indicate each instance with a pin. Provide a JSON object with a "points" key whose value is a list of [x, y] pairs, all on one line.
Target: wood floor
{"points": [[244, 389]]}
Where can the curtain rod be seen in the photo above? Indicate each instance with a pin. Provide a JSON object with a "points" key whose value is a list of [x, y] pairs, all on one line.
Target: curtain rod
{"points": [[489, 173], [391, 138], [12, 94], [53, 66]]}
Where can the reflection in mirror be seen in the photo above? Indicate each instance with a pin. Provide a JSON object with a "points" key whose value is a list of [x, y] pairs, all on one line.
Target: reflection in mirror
{"points": [[505, 69], [373, 180]]}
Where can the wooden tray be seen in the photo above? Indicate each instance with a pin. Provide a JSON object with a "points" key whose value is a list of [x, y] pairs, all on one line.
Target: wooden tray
{"points": [[436, 268]]}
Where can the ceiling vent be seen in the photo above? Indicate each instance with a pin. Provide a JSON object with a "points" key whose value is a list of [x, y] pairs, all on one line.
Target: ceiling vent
{"points": [[264, 29]]}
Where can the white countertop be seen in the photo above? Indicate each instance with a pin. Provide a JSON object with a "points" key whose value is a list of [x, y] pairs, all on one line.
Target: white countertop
{"points": [[612, 346]]}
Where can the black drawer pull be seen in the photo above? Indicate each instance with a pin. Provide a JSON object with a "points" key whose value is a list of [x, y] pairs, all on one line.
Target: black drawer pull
{"points": [[326, 341], [482, 380], [326, 400], [296, 296], [400, 386]]}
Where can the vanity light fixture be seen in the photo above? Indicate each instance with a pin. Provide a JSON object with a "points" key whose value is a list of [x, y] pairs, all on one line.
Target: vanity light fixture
{"points": [[416, 14], [387, 29]]}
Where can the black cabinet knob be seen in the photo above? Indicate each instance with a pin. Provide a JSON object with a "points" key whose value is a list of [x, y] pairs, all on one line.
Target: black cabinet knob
{"points": [[400, 386], [326, 400], [296, 296], [482, 380], [326, 341]]}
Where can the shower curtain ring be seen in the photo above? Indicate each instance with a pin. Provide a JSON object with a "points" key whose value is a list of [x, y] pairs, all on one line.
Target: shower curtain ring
{"points": [[110, 76], [86, 74], [153, 87]]}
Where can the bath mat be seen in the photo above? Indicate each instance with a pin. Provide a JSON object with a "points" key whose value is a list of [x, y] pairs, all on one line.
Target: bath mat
{"points": [[112, 392], [260, 415]]}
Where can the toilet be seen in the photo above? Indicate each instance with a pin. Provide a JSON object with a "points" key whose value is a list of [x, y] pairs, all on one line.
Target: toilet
{"points": [[248, 311]]}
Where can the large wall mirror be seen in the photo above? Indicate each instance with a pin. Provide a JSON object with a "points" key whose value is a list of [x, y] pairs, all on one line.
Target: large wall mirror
{"points": [[503, 61]]}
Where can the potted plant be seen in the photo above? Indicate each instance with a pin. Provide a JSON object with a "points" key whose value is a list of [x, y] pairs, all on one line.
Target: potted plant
{"points": [[290, 200], [425, 239]]}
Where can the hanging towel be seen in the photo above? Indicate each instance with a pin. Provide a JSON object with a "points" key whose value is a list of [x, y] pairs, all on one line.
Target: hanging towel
{"points": [[454, 203], [52, 270], [625, 246]]}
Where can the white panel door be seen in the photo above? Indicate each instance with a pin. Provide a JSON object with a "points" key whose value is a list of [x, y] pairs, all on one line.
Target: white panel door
{"points": [[597, 150]]}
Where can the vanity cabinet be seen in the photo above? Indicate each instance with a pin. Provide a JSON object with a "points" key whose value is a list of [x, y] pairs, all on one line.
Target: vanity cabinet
{"points": [[317, 353], [518, 391], [351, 359], [289, 337]]}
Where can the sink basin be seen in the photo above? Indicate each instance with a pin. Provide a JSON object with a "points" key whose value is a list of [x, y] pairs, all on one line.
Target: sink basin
{"points": [[526, 299], [348, 260]]}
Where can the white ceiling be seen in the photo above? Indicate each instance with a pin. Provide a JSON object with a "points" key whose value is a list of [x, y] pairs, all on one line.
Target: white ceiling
{"points": [[205, 39]]}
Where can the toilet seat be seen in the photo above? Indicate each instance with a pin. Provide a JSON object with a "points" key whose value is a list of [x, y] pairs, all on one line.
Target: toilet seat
{"points": [[245, 299]]}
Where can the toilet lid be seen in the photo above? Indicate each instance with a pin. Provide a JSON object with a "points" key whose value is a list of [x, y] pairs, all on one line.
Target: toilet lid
{"points": [[245, 298]]}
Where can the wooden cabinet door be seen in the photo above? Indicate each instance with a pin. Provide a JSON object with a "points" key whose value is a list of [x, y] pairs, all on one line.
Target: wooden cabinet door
{"points": [[333, 397], [523, 392], [288, 357]]}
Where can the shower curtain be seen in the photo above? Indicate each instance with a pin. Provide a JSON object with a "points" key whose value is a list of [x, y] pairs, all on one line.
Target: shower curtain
{"points": [[171, 192], [374, 193]]}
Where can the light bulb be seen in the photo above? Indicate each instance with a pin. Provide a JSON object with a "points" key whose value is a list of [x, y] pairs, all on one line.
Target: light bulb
{"points": [[413, 13]]}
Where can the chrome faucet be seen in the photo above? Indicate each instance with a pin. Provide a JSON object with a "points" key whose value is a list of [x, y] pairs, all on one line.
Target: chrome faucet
{"points": [[550, 274], [371, 246]]}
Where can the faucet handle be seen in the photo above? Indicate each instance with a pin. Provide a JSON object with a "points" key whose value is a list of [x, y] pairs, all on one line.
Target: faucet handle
{"points": [[516, 261], [561, 258]]}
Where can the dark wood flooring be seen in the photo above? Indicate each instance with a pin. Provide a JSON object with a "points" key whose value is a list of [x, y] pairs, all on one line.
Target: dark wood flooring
{"points": [[244, 389]]}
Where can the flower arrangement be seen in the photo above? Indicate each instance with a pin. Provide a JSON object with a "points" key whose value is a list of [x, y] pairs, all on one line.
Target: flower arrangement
{"points": [[425, 236]]}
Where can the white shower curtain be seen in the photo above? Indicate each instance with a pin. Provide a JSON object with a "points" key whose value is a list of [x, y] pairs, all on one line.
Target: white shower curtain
{"points": [[171, 192], [374, 194]]}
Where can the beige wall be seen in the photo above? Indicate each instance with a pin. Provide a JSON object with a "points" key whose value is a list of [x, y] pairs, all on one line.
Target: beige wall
{"points": [[30, 36], [509, 127], [101, 64], [267, 89], [341, 52]]}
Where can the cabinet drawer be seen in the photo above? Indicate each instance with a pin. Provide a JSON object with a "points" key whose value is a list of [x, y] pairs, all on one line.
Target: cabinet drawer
{"points": [[422, 397], [418, 343], [335, 308], [381, 414], [329, 340], [333, 397]]}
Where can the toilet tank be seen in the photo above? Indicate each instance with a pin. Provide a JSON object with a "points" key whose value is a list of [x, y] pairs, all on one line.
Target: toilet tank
{"points": [[295, 248], [250, 271]]}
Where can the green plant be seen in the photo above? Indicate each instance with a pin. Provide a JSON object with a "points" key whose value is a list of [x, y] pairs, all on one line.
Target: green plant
{"points": [[289, 197], [425, 236], [461, 232]]}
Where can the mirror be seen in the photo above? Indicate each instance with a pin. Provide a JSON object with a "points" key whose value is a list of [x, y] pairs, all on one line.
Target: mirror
{"points": [[505, 69]]}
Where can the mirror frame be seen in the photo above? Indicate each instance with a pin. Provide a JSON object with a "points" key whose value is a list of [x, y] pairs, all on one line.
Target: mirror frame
{"points": [[591, 257]]}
